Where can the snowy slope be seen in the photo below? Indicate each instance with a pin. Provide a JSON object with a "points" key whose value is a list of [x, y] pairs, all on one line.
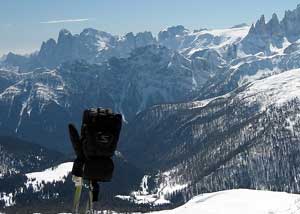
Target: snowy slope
{"points": [[37, 180], [221, 38], [277, 89], [228, 141], [241, 201], [165, 186], [188, 42], [51, 175], [274, 90]]}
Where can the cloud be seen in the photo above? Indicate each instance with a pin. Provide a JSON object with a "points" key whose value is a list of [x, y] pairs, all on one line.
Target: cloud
{"points": [[65, 21]]}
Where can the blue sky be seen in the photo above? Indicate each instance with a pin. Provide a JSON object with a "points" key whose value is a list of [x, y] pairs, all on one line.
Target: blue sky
{"points": [[24, 24]]}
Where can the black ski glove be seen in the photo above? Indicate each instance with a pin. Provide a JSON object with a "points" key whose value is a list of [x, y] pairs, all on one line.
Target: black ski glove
{"points": [[76, 141]]}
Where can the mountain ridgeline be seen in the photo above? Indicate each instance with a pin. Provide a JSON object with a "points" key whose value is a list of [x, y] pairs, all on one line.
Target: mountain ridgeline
{"points": [[211, 109]]}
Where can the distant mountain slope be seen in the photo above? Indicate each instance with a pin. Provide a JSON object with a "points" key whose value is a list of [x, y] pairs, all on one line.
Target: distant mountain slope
{"points": [[96, 46], [38, 105], [248, 138], [188, 42], [91, 45], [19, 156]]}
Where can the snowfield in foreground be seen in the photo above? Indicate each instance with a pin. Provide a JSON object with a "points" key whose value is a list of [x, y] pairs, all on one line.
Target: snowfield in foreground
{"points": [[240, 201]]}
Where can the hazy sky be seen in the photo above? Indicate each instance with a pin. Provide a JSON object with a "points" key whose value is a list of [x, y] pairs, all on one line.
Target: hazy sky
{"points": [[24, 24]]}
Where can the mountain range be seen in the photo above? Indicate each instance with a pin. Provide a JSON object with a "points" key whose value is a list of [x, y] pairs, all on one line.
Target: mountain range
{"points": [[204, 110]]}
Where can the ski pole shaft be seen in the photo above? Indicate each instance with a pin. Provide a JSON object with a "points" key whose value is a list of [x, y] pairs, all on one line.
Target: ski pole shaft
{"points": [[77, 195]]}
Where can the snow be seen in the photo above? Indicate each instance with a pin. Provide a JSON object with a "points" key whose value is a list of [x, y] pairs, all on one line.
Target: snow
{"points": [[7, 198], [144, 199], [260, 74], [166, 186], [54, 174], [280, 51], [144, 196], [226, 37], [51, 175], [274, 90], [203, 103], [102, 45], [240, 201], [232, 33], [144, 184], [45, 93], [10, 91]]}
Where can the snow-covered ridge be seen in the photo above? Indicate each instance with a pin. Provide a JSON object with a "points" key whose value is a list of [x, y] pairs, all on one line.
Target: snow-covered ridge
{"points": [[188, 42], [220, 38], [277, 89], [51, 175], [240, 201], [274, 90]]}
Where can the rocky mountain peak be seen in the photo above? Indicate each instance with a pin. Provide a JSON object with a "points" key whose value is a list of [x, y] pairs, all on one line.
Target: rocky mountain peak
{"points": [[262, 20], [289, 27], [91, 32], [274, 27], [274, 19], [260, 25], [252, 29], [129, 35], [64, 34], [144, 39], [263, 34], [176, 29], [171, 32], [291, 24], [172, 36], [50, 44], [47, 49]]}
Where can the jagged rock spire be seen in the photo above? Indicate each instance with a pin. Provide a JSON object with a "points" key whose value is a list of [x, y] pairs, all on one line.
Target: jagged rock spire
{"points": [[64, 34], [252, 29], [260, 26], [273, 27], [291, 24], [261, 21], [274, 18]]}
